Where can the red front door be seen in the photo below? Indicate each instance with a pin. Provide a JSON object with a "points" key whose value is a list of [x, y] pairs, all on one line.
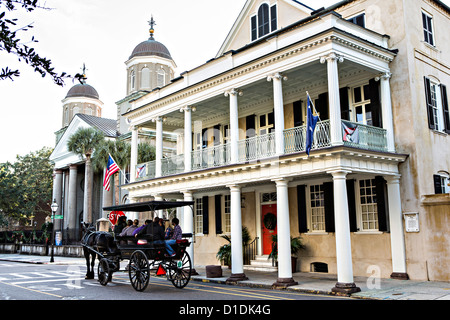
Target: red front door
{"points": [[269, 225]]}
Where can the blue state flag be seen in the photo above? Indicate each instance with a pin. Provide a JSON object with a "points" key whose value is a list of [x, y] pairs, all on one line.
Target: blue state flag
{"points": [[311, 122]]}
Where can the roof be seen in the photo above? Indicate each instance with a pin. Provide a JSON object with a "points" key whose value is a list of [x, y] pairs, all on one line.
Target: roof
{"points": [[151, 47], [82, 90], [107, 126], [149, 206]]}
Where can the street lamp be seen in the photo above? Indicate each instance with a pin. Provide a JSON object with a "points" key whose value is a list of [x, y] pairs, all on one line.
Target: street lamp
{"points": [[54, 208]]}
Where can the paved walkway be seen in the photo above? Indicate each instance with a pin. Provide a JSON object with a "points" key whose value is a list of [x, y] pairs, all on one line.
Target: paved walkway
{"points": [[380, 289]]}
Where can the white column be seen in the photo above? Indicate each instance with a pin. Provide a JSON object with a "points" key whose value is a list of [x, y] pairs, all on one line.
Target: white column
{"points": [[278, 111], [134, 153], [283, 236], [159, 147], [234, 123], [72, 200], [342, 232], [333, 97], [159, 213], [396, 228], [187, 138], [57, 194], [237, 254], [188, 217], [386, 109]]}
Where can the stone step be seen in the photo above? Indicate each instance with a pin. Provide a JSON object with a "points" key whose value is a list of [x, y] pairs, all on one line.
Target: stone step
{"points": [[260, 268], [261, 263]]}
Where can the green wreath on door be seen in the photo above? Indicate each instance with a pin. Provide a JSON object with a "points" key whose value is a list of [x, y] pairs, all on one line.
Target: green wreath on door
{"points": [[270, 221]]}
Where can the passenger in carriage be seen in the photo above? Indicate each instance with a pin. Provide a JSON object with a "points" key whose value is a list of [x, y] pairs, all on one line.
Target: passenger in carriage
{"points": [[176, 235], [128, 231], [153, 228]]}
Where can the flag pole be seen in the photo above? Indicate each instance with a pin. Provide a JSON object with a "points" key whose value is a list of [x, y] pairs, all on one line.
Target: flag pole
{"points": [[308, 97]]}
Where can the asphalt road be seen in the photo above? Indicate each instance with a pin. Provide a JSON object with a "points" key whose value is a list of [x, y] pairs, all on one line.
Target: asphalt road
{"points": [[34, 282]]}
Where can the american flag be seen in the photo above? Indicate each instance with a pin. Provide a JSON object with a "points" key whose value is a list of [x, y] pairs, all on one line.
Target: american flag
{"points": [[111, 168]]}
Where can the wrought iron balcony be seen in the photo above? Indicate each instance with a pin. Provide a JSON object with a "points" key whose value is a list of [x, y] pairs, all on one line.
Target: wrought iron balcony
{"points": [[261, 147]]}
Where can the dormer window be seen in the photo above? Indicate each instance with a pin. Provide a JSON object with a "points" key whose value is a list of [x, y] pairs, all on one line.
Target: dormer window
{"points": [[264, 22], [359, 19]]}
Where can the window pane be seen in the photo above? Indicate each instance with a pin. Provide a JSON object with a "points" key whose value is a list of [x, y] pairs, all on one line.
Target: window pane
{"points": [[262, 120], [357, 94], [263, 20]]}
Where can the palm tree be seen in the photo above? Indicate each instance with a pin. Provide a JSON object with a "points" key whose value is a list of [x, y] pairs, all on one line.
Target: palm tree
{"points": [[83, 143]]}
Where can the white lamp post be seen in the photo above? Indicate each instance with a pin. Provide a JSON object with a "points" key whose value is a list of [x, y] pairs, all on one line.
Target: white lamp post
{"points": [[54, 208]]}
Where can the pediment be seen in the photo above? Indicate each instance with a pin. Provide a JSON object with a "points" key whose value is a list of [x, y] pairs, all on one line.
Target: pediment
{"points": [[240, 35], [61, 155]]}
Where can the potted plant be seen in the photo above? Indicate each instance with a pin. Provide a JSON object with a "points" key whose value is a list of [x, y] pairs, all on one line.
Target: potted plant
{"points": [[224, 253], [296, 245]]}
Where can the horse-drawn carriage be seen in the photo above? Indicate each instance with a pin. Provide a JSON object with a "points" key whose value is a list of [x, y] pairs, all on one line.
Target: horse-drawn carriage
{"points": [[143, 258]]}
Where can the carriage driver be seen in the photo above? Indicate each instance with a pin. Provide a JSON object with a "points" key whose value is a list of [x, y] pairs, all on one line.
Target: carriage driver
{"points": [[157, 233]]}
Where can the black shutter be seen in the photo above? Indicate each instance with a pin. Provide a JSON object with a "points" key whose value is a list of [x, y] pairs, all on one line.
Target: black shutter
{"points": [[205, 138], [345, 106], [301, 207], [254, 28], [445, 109], [250, 126], [298, 116], [375, 103], [321, 105], [205, 207], [216, 135], [218, 212], [437, 184], [429, 103], [380, 186], [351, 205], [329, 206], [273, 17]]}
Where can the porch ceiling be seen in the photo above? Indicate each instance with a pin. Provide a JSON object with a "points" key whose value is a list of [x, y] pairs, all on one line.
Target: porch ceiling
{"points": [[310, 77]]}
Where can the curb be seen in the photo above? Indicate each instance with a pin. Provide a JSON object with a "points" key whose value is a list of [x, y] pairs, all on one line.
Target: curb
{"points": [[268, 286]]}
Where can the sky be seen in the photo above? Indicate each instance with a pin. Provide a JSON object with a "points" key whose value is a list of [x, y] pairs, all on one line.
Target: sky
{"points": [[102, 34]]}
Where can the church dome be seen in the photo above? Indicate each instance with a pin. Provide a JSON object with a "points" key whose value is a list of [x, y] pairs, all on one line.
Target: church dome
{"points": [[151, 47], [82, 90]]}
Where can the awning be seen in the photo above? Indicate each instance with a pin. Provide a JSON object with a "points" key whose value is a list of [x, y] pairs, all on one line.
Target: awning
{"points": [[149, 206]]}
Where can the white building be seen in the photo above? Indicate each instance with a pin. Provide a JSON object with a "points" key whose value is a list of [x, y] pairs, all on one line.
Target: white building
{"points": [[242, 119]]}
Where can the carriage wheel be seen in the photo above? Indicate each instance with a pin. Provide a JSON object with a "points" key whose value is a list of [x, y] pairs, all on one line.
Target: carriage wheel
{"points": [[139, 270], [104, 272], [179, 271]]}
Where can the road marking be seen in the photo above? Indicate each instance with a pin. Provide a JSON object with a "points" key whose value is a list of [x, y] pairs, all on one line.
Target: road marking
{"points": [[18, 275], [48, 280], [17, 286]]}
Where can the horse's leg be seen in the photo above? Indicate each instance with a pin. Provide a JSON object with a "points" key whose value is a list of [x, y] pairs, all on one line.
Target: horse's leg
{"points": [[93, 264], [87, 255]]}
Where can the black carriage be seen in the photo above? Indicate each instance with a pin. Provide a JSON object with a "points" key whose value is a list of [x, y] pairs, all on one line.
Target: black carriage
{"points": [[145, 256]]}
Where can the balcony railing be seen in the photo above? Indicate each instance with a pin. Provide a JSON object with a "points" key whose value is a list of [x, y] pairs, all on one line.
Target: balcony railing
{"points": [[261, 147]]}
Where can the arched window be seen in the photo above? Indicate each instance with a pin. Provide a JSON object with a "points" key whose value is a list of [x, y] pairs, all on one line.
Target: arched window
{"points": [[161, 79], [264, 22], [145, 78], [132, 80]]}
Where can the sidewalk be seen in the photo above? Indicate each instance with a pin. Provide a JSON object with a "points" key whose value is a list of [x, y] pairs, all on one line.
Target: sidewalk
{"points": [[316, 283]]}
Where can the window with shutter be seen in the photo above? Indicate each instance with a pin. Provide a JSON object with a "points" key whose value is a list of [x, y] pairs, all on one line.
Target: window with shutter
{"points": [[264, 22], [437, 105], [427, 21]]}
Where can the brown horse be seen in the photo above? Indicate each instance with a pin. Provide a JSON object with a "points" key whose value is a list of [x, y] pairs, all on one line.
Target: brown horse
{"points": [[95, 243]]}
